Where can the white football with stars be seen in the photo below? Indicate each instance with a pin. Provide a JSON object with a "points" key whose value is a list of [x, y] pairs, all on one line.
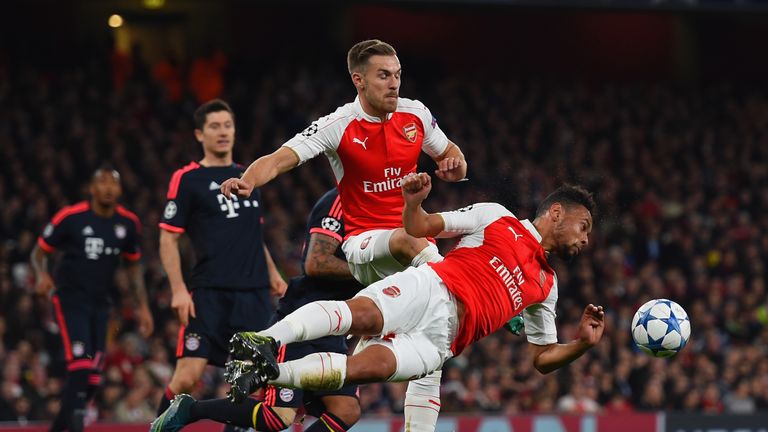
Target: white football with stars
{"points": [[661, 328]]}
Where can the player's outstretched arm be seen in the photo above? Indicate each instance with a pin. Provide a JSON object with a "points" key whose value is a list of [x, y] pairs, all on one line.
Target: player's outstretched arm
{"points": [[547, 358], [261, 171], [451, 165], [416, 221]]}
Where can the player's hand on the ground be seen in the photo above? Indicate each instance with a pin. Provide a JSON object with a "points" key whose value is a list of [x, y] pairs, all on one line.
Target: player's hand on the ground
{"points": [[236, 186], [182, 305], [592, 324], [44, 285], [277, 286], [450, 169], [145, 321], [416, 187]]}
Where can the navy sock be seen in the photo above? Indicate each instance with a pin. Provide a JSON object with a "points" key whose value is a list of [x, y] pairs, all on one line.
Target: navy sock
{"points": [[224, 411], [165, 402], [72, 399]]}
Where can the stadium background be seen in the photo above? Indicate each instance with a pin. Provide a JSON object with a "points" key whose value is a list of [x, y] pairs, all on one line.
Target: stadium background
{"points": [[660, 107]]}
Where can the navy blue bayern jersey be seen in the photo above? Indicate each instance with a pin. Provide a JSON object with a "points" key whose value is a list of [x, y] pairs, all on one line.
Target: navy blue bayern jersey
{"points": [[325, 218], [92, 246], [226, 234]]}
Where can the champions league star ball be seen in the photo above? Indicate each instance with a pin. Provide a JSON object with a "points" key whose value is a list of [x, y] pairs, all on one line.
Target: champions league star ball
{"points": [[661, 328]]}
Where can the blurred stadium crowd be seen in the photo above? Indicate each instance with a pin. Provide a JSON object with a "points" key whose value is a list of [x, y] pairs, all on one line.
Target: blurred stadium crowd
{"points": [[681, 176]]}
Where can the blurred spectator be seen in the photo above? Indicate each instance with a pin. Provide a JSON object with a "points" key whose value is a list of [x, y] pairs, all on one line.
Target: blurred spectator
{"points": [[680, 175], [577, 401]]}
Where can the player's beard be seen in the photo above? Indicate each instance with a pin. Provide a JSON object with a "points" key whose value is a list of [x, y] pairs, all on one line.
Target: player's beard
{"points": [[565, 249], [387, 106], [564, 253]]}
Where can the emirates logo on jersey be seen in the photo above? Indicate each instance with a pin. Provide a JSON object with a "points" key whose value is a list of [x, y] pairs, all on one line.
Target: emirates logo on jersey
{"points": [[391, 291], [410, 131]]}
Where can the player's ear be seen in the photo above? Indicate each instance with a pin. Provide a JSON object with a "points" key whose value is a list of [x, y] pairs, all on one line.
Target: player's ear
{"points": [[556, 212], [199, 135], [357, 80]]}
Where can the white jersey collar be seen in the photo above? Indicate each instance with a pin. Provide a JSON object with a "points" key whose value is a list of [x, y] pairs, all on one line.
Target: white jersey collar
{"points": [[361, 112], [532, 229]]}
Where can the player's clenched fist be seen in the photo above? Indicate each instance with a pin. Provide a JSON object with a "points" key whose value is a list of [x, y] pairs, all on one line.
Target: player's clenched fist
{"points": [[236, 186], [450, 169], [416, 187]]}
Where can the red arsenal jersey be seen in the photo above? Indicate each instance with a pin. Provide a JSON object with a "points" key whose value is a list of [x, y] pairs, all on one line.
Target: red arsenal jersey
{"points": [[370, 156], [498, 270]]}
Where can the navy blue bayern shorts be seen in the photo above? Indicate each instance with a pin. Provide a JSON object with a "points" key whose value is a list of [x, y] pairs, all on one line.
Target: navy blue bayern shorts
{"points": [[220, 314]]}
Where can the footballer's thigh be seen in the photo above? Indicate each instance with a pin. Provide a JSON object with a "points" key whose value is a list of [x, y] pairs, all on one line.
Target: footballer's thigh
{"points": [[403, 299], [399, 357], [374, 363], [369, 256]]}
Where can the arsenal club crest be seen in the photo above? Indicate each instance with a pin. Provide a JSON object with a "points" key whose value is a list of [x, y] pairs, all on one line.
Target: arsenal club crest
{"points": [[410, 131], [391, 291], [365, 242]]}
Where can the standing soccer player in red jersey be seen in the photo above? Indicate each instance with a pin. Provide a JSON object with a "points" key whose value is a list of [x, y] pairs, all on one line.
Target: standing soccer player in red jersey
{"points": [[372, 144], [92, 237], [421, 317]]}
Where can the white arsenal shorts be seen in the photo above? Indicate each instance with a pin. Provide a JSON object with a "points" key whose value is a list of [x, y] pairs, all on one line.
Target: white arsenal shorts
{"points": [[420, 321], [369, 257]]}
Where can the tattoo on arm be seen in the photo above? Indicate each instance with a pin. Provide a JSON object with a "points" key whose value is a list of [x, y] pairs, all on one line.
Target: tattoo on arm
{"points": [[321, 260]]}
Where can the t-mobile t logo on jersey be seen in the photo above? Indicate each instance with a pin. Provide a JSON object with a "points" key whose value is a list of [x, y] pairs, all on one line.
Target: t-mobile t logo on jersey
{"points": [[94, 247], [231, 205]]}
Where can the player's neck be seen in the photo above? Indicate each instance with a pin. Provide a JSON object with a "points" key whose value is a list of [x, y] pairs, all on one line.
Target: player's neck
{"points": [[545, 230], [102, 210], [371, 111], [210, 160]]}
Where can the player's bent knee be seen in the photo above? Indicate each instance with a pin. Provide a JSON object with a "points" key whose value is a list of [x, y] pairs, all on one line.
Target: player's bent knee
{"points": [[187, 374], [375, 363], [367, 319], [183, 383], [404, 247], [345, 408]]}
